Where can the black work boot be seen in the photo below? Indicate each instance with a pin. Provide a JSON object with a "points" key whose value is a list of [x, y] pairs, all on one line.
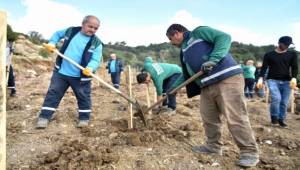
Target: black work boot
{"points": [[12, 93], [274, 120], [282, 124]]}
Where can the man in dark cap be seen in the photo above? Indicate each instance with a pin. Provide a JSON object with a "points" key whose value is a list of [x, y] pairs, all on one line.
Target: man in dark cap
{"points": [[280, 79], [285, 40]]}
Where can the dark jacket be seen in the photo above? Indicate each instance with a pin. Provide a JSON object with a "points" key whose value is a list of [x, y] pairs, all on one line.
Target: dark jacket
{"points": [[87, 53], [197, 49], [119, 65]]}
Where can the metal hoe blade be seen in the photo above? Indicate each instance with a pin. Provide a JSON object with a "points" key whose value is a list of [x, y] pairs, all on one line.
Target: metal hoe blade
{"points": [[141, 113]]}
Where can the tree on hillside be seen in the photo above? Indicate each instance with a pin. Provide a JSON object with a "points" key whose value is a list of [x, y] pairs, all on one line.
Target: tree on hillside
{"points": [[122, 43], [11, 35], [36, 37]]}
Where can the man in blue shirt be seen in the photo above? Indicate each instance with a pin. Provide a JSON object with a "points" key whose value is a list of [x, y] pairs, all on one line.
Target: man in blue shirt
{"points": [[84, 47], [115, 67]]}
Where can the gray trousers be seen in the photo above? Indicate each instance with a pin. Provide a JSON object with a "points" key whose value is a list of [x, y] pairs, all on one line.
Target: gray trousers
{"points": [[227, 98]]}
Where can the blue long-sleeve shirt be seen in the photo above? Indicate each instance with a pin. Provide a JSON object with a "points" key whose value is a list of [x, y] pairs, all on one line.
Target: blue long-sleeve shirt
{"points": [[112, 66], [74, 51]]}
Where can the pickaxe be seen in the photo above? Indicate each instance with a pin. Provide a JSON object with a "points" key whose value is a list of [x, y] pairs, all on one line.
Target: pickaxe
{"points": [[133, 101]]}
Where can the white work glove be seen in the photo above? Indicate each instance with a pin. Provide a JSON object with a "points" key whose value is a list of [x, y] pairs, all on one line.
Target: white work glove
{"points": [[293, 83], [259, 83]]}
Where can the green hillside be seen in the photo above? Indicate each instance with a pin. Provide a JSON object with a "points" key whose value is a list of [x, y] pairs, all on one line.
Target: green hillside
{"points": [[165, 52]]}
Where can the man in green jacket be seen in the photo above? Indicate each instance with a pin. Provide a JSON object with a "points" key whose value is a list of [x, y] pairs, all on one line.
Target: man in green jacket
{"points": [[222, 88], [163, 76]]}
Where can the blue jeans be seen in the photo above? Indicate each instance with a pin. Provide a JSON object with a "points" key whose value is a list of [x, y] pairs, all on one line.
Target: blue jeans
{"points": [[115, 79], [58, 86], [280, 94], [167, 84]]}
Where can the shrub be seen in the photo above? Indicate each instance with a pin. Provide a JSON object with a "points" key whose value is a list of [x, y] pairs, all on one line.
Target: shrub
{"points": [[44, 53]]}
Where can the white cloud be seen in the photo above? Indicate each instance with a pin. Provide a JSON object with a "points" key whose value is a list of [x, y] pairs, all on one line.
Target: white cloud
{"points": [[246, 36], [133, 36], [185, 18], [46, 17], [144, 35]]}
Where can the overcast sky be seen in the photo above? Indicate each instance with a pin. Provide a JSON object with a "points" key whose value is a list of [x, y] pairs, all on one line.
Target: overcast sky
{"points": [[141, 22]]}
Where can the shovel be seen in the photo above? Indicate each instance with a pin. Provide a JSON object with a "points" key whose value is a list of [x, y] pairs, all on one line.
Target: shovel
{"points": [[200, 73], [133, 101]]}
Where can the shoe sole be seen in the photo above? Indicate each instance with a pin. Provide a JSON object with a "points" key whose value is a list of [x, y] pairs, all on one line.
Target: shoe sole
{"points": [[82, 126], [213, 153], [248, 165], [41, 127]]}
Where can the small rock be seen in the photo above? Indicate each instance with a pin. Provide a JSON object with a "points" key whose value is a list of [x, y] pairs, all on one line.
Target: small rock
{"points": [[113, 135], [189, 105], [183, 133], [282, 153], [215, 164], [110, 158], [135, 140], [115, 101], [63, 125], [269, 142], [51, 157], [122, 108]]}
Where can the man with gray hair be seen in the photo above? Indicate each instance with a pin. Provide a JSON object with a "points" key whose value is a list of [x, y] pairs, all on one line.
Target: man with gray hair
{"points": [[115, 67], [84, 47]]}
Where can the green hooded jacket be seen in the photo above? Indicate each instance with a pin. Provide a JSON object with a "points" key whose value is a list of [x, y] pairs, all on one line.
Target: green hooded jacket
{"points": [[159, 72], [249, 71]]}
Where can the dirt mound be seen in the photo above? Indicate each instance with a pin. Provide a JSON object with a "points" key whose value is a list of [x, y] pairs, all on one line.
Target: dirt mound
{"points": [[75, 154]]}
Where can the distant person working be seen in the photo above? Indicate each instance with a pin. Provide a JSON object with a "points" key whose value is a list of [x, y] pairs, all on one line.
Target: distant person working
{"points": [[115, 67], [163, 75]]}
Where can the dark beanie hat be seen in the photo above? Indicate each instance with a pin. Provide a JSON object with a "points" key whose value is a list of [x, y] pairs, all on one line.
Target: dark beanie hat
{"points": [[286, 40]]}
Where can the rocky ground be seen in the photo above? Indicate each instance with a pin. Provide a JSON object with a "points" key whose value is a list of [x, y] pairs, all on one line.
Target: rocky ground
{"points": [[108, 143]]}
